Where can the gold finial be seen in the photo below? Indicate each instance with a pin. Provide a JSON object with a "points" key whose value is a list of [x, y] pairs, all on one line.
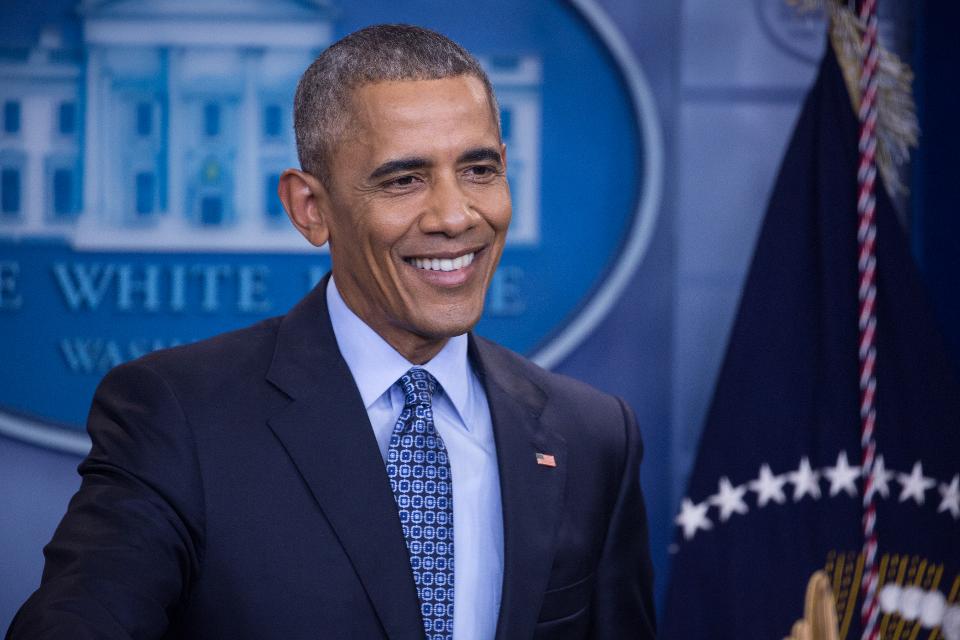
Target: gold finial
{"points": [[819, 620]]}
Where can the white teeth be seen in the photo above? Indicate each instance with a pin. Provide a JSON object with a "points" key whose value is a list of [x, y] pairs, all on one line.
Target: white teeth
{"points": [[442, 264]]}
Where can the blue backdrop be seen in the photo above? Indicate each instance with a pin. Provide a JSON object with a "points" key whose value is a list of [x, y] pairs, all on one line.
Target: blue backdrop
{"points": [[725, 84]]}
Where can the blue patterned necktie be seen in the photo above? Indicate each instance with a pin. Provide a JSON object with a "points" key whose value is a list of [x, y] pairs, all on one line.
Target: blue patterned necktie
{"points": [[420, 477]]}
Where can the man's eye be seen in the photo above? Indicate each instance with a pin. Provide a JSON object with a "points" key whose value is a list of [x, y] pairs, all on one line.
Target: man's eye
{"points": [[401, 182], [481, 171]]}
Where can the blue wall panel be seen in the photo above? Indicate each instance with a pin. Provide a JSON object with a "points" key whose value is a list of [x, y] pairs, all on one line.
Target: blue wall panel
{"points": [[726, 81]]}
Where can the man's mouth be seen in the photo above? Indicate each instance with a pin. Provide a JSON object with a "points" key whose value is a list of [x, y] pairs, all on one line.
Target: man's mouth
{"points": [[442, 264]]}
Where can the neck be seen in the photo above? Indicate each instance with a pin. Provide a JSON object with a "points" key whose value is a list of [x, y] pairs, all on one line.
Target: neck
{"points": [[415, 348], [417, 352]]}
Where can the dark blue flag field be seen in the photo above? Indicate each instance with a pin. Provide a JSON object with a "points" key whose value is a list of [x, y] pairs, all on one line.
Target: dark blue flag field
{"points": [[776, 493]]}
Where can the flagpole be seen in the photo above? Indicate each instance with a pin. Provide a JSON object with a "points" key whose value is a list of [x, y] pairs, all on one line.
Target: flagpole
{"points": [[867, 295]]}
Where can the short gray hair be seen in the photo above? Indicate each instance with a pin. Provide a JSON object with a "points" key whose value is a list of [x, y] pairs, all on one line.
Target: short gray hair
{"points": [[373, 54]]}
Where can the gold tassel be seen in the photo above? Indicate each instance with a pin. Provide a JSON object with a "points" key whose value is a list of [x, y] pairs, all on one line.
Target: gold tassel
{"points": [[897, 128], [819, 620]]}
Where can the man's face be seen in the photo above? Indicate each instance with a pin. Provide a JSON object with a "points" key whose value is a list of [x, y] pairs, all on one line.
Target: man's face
{"points": [[419, 209]]}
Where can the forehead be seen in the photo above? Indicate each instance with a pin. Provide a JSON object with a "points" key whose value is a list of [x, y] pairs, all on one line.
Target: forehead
{"points": [[422, 108]]}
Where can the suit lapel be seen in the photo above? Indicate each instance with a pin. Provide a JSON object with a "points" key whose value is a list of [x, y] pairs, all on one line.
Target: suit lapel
{"points": [[531, 493], [326, 432]]}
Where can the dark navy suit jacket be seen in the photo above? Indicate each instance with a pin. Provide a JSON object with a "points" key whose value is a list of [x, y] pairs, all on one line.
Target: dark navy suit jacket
{"points": [[235, 490]]}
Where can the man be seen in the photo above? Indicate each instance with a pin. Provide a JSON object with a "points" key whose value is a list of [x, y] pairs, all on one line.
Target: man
{"points": [[363, 467]]}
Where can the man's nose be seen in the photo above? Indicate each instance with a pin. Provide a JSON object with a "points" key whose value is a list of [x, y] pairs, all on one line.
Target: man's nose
{"points": [[450, 210]]}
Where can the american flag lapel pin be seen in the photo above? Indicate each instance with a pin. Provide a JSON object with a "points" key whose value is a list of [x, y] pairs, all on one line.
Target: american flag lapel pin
{"points": [[546, 459]]}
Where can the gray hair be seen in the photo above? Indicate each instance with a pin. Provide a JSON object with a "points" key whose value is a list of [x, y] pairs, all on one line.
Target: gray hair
{"points": [[373, 54]]}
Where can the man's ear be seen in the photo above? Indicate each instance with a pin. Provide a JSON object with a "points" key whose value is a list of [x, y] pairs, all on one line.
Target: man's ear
{"points": [[307, 204]]}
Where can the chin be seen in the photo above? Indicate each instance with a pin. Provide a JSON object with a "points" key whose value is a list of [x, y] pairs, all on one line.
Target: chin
{"points": [[452, 325]]}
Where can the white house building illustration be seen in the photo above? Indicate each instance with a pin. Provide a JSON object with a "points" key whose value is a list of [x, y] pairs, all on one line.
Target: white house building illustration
{"points": [[167, 127]]}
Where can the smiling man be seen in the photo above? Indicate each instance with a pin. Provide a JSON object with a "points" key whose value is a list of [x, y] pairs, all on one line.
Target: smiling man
{"points": [[415, 207], [365, 466]]}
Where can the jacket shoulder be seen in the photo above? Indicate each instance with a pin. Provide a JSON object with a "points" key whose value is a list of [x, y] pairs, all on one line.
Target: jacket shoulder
{"points": [[580, 402], [193, 367]]}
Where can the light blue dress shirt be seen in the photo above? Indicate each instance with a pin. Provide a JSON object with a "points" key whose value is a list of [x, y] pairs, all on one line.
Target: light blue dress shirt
{"points": [[462, 418]]}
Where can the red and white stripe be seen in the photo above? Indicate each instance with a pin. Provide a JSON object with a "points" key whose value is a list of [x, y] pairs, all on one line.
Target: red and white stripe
{"points": [[867, 295]]}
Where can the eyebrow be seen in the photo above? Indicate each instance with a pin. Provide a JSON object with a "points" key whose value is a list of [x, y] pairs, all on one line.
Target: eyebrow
{"points": [[480, 154], [413, 163], [398, 166]]}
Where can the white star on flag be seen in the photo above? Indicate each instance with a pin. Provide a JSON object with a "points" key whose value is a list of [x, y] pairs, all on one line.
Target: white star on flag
{"points": [[842, 477], [915, 484], [951, 497], [805, 480], [881, 480], [693, 517], [730, 499], [768, 487]]}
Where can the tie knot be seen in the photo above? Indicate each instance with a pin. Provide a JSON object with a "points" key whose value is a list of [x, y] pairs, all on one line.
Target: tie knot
{"points": [[418, 387]]}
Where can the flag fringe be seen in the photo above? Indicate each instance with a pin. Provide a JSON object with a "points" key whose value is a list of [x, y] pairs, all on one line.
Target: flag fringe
{"points": [[897, 128]]}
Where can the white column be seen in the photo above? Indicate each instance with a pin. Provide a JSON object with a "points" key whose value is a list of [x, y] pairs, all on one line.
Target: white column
{"points": [[248, 196], [92, 204], [35, 127], [175, 143], [110, 128], [114, 123]]}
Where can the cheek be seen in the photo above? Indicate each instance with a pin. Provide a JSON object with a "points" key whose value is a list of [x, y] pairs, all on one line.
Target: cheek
{"points": [[369, 236], [378, 247], [501, 220], [497, 209], [506, 216], [505, 207]]}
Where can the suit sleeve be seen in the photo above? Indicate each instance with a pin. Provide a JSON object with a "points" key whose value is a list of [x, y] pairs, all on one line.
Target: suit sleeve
{"points": [[623, 598], [121, 561]]}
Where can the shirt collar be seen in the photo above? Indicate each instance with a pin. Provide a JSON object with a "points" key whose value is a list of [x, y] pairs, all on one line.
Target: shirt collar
{"points": [[376, 366]]}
